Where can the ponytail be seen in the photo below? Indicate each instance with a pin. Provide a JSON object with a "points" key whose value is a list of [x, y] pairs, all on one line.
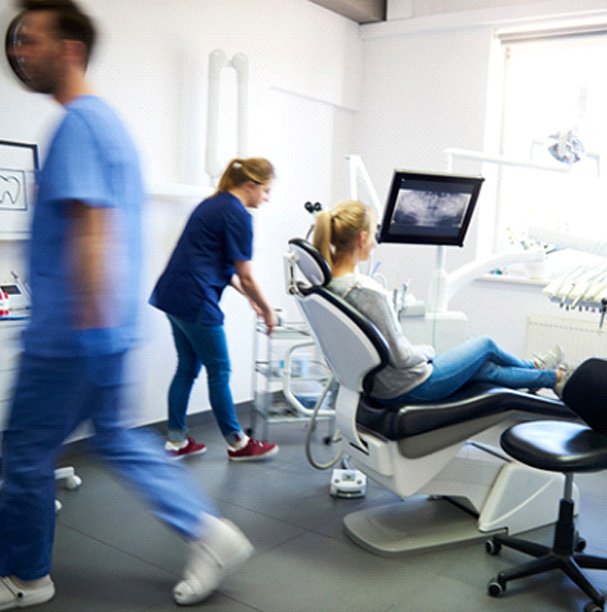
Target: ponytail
{"points": [[322, 235]]}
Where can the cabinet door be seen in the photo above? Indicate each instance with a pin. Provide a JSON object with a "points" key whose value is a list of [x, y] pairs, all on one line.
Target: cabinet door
{"points": [[10, 350]]}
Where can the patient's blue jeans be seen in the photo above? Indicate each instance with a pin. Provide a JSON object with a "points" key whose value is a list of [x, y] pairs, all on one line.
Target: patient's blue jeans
{"points": [[199, 345], [53, 396], [479, 359]]}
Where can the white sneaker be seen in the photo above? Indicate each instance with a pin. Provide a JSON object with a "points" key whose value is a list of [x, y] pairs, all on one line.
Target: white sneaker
{"points": [[560, 385], [550, 360], [221, 550], [16, 595]]}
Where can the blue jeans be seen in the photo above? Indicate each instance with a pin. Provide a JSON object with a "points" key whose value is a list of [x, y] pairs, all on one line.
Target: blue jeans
{"points": [[479, 359], [199, 345], [52, 397]]}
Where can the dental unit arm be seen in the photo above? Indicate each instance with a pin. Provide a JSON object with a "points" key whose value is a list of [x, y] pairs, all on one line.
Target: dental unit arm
{"points": [[445, 285], [585, 285]]}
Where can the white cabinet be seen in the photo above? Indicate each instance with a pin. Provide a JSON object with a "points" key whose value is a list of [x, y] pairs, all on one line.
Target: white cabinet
{"points": [[10, 350]]}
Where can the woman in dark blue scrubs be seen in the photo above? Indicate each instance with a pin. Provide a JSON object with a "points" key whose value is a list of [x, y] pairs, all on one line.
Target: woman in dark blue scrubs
{"points": [[214, 251]]}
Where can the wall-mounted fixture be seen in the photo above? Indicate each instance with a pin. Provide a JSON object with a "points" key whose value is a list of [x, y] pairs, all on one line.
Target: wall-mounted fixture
{"points": [[218, 60]]}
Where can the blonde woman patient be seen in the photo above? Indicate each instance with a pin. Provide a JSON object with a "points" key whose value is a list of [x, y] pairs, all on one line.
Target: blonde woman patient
{"points": [[345, 236]]}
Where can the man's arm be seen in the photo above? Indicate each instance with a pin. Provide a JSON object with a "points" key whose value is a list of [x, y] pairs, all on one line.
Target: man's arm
{"points": [[88, 244]]}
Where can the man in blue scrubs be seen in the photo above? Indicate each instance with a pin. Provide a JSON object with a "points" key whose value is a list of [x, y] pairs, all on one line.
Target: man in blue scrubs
{"points": [[84, 263]]}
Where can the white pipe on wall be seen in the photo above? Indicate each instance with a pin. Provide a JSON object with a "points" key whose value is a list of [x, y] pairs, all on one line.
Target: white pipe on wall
{"points": [[217, 62], [240, 63]]}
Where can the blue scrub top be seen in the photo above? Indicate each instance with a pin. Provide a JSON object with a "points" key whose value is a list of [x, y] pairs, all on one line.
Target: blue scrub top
{"points": [[218, 233], [91, 159]]}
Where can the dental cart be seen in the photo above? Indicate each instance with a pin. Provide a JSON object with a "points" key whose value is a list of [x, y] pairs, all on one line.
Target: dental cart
{"points": [[289, 377]]}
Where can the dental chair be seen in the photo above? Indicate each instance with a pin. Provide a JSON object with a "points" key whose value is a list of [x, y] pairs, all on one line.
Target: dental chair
{"points": [[455, 489]]}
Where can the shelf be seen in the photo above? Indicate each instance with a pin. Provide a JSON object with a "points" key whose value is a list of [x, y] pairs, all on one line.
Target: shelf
{"points": [[285, 331], [313, 371], [280, 395]]}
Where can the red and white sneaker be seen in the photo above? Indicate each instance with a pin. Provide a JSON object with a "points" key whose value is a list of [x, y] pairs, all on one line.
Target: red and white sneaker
{"points": [[255, 450], [191, 447]]}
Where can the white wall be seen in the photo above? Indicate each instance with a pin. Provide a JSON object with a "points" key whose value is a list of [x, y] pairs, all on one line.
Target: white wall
{"points": [[426, 87], [151, 65], [397, 93]]}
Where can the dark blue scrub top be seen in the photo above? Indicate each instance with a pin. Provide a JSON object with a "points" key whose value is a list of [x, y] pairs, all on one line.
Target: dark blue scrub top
{"points": [[218, 233]]}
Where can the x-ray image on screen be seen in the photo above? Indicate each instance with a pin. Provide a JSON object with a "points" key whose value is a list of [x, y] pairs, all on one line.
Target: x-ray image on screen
{"points": [[429, 208]]}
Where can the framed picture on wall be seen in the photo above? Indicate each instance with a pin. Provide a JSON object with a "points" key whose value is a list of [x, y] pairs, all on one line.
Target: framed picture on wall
{"points": [[18, 167]]}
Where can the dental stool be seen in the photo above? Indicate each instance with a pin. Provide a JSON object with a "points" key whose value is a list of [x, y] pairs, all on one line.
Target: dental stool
{"points": [[567, 448], [455, 485]]}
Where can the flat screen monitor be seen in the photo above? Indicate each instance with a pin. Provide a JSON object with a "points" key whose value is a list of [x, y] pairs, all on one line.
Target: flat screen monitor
{"points": [[425, 208]]}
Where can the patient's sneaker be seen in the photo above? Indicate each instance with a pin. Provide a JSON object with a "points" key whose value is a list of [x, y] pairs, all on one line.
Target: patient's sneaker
{"points": [[254, 450], [15, 593], [560, 385], [550, 360], [188, 447], [213, 557]]}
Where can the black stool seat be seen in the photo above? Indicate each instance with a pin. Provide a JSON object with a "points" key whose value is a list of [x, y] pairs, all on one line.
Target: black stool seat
{"points": [[556, 446]]}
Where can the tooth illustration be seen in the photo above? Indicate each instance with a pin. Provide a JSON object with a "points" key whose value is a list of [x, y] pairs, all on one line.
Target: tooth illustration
{"points": [[10, 189]]}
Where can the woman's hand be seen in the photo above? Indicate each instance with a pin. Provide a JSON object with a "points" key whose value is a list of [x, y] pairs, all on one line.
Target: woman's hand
{"points": [[245, 283], [270, 318]]}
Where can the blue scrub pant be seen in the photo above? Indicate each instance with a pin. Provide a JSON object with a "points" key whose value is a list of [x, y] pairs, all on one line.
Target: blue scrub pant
{"points": [[479, 359], [199, 345], [52, 397]]}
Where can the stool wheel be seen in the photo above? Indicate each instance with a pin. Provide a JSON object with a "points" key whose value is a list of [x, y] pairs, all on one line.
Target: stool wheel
{"points": [[593, 607], [580, 543], [492, 547], [496, 587]]}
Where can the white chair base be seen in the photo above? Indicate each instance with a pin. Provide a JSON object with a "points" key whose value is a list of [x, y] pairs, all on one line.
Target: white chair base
{"points": [[478, 494]]}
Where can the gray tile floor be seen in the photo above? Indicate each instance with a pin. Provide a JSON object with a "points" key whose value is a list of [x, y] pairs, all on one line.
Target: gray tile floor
{"points": [[111, 555]]}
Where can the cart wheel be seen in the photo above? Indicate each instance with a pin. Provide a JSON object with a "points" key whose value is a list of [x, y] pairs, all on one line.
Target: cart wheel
{"points": [[496, 587], [492, 547]]}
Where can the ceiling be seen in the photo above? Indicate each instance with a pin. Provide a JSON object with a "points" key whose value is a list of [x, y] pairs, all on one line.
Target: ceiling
{"points": [[361, 11]]}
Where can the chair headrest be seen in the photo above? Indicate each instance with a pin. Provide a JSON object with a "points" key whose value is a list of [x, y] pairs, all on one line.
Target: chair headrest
{"points": [[312, 265], [586, 393]]}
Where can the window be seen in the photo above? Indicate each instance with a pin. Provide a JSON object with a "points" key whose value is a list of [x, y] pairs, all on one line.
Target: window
{"points": [[553, 87]]}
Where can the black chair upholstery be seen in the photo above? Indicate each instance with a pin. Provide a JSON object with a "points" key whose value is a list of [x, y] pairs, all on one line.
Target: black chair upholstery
{"points": [[586, 393], [463, 414], [565, 447]]}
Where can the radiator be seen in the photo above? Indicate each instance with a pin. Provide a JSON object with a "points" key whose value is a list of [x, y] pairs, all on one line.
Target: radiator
{"points": [[579, 339]]}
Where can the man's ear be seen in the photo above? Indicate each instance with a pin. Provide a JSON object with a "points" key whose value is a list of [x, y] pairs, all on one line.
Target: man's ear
{"points": [[75, 52]]}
